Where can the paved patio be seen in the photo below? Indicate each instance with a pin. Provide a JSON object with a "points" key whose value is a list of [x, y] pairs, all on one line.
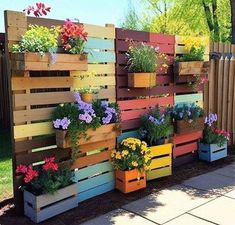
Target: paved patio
{"points": [[203, 200]]}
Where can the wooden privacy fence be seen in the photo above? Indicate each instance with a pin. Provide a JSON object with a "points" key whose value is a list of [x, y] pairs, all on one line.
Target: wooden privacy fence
{"points": [[34, 95], [220, 91]]}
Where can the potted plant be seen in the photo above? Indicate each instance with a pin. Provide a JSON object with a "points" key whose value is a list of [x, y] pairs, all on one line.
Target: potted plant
{"points": [[131, 160], [192, 62], [213, 145], [37, 49], [48, 190], [80, 123], [156, 127], [87, 93], [143, 62], [187, 118]]}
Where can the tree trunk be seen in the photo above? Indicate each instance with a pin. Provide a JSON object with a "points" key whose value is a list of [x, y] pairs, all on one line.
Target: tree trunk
{"points": [[232, 2], [215, 19]]}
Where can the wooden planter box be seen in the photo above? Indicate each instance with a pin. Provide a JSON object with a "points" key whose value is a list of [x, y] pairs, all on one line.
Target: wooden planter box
{"points": [[129, 181], [35, 62], [141, 80], [191, 68], [42, 207], [212, 152], [161, 164], [184, 126], [102, 133]]}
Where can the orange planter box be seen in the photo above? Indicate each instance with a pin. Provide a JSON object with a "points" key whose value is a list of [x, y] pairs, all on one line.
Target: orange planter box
{"points": [[129, 181], [141, 80]]}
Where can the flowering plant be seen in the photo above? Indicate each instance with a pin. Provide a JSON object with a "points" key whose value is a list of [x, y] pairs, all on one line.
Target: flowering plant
{"points": [[39, 10], [195, 49], [199, 80], [46, 178], [145, 58], [107, 112], [132, 154], [73, 37], [186, 112], [87, 90], [212, 134], [38, 39], [156, 125]]}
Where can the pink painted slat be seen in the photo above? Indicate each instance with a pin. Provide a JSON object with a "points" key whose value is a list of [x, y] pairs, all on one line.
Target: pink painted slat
{"points": [[131, 34], [132, 114], [130, 124], [162, 38], [182, 138], [181, 150]]}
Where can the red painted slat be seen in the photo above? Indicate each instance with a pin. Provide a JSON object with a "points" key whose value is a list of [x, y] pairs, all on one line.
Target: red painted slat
{"points": [[181, 150], [131, 34], [132, 114], [182, 138], [162, 38], [130, 124]]}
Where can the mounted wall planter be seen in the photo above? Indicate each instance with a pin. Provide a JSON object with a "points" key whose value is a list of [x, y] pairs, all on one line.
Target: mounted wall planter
{"points": [[191, 68], [87, 97], [42, 207], [102, 133], [141, 80], [185, 126], [31, 61], [161, 164], [212, 152], [129, 181]]}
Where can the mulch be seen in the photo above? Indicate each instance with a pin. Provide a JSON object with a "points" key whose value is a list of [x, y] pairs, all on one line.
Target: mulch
{"points": [[113, 200]]}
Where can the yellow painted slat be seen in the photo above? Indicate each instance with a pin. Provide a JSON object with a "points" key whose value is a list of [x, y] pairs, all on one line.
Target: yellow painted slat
{"points": [[163, 172], [99, 31], [94, 81], [30, 130], [161, 149], [160, 162]]}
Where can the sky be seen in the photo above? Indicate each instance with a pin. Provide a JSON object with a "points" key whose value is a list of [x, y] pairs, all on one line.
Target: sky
{"points": [[98, 12]]}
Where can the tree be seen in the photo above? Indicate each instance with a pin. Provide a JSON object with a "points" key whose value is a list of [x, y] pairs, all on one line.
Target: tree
{"points": [[232, 3]]}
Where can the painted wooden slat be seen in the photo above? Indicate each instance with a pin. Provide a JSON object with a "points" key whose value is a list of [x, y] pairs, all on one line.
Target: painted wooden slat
{"points": [[101, 57], [188, 98], [127, 134], [99, 31], [162, 172], [94, 81], [186, 148], [160, 162], [30, 130], [98, 43]]}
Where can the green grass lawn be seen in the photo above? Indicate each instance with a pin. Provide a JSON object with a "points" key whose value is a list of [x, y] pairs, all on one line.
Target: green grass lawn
{"points": [[5, 166]]}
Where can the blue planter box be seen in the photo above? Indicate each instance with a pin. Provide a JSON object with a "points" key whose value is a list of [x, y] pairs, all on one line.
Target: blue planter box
{"points": [[212, 152]]}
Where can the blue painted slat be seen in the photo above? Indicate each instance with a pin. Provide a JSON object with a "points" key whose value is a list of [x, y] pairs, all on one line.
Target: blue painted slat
{"points": [[212, 152], [101, 57], [95, 181], [98, 43], [96, 191], [189, 98], [92, 170], [124, 135]]}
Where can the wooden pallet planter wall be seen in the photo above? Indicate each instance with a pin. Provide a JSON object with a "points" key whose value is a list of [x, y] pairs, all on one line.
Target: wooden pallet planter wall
{"points": [[36, 93]]}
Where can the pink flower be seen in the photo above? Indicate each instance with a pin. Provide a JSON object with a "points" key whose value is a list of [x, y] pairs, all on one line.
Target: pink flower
{"points": [[50, 166], [49, 159], [21, 169], [30, 175]]}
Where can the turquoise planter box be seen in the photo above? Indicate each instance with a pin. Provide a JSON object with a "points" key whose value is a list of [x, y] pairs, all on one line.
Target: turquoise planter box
{"points": [[212, 152]]}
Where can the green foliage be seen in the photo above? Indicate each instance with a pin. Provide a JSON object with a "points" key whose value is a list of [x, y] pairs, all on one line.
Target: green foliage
{"points": [[38, 39], [132, 154], [195, 54], [156, 125], [141, 58]]}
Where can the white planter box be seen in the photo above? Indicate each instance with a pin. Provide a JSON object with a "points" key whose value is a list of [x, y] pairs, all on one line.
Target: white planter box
{"points": [[42, 207]]}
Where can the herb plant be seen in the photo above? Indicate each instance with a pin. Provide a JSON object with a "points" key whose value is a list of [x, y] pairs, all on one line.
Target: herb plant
{"points": [[132, 154], [156, 125], [46, 178], [38, 39], [213, 135], [143, 58]]}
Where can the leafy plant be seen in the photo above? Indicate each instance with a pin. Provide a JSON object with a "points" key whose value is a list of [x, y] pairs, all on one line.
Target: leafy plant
{"points": [[132, 154], [185, 112], [38, 10], [213, 135], [195, 49], [38, 39], [145, 58], [156, 125], [87, 90], [46, 178], [73, 37], [199, 80]]}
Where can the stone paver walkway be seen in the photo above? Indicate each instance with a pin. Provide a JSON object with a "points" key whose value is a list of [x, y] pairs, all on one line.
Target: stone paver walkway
{"points": [[203, 200]]}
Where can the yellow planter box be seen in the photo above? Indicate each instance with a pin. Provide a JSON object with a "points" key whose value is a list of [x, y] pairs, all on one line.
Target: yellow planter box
{"points": [[161, 164]]}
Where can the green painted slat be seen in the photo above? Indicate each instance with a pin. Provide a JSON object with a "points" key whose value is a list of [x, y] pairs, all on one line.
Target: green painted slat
{"points": [[124, 135], [98, 43], [189, 98], [101, 57], [92, 170]]}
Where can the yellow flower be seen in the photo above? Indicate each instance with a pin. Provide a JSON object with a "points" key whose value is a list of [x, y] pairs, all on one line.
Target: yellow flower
{"points": [[133, 147], [134, 163], [125, 152], [113, 153], [146, 168], [118, 155]]}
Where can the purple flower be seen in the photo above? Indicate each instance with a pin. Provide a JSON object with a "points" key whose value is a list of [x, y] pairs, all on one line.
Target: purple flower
{"points": [[181, 114], [77, 97], [152, 119], [210, 119], [64, 123], [104, 103], [57, 123]]}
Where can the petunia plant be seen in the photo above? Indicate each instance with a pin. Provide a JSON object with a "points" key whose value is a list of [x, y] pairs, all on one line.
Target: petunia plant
{"points": [[46, 178]]}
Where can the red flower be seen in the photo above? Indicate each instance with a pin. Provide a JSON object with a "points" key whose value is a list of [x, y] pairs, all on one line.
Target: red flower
{"points": [[50, 166], [39, 10], [21, 169], [49, 159], [30, 175]]}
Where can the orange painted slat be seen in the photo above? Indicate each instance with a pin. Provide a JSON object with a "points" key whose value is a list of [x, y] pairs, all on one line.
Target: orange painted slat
{"points": [[182, 138], [181, 150]]}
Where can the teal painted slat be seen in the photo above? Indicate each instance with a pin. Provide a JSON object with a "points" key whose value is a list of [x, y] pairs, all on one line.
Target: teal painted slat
{"points": [[101, 57], [124, 135], [189, 98], [98, 43], [92, 170], [96, 191], [95, 181]]}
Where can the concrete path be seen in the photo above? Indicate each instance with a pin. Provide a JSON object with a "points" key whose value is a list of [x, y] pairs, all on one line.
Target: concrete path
{"points": [[207, 199]]}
